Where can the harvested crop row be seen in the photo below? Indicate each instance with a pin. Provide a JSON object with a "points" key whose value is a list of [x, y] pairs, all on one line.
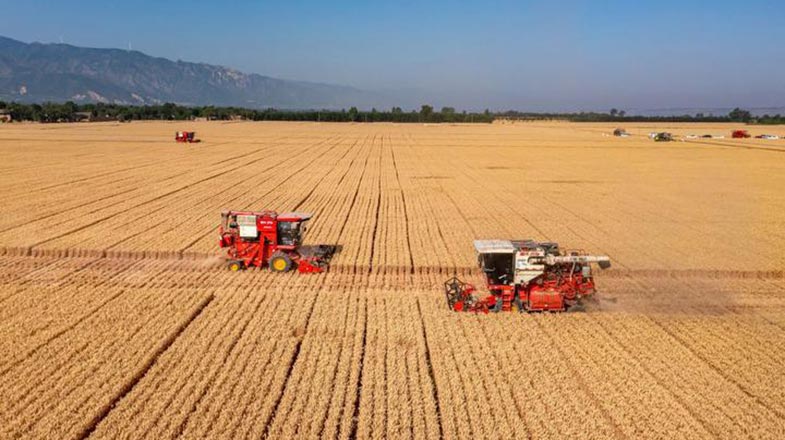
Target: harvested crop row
{"points": [[234, 343], [391, 250], [357, 234], [37, 315], [60, 389], [437, 187], [136, 216], [397, 398], [726, 345], [321, 390], [608, 372], [248, 188], [721, 406], [331, 197]]}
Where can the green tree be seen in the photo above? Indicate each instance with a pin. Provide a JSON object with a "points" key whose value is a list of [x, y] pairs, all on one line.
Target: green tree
{"points": [[354, 114], [448, 114], [739, 115], [614, 112], [425, 112]]}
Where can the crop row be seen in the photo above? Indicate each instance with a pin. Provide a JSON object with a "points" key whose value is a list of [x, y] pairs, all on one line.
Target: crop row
{"points": [[61, 387], [397, 198]]}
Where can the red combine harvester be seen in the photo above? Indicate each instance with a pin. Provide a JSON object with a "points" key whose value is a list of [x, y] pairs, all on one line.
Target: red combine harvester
{"points": [[258, 239], [186, 137], [740, 134], [529, 275]]}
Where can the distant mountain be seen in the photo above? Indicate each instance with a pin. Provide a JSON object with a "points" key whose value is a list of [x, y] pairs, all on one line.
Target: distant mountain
{"points": [[38, 72]]}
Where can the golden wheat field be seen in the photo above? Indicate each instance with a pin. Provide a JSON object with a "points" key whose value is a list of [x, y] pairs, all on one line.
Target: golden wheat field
{"points": [[117, 319]]}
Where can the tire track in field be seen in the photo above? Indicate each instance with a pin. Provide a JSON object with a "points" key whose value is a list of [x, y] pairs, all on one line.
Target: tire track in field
{"points": [[645, 367], [275, 188], [63, 211], [480, 183], [320, 209], [290, 367], [322, 422], [405, 210], [228, 351], [117, 194], [31, 272], [354, 197], [779, 289], [743, 146], [581, 382], [87, 141], [147, 164], [82, 318], [378, 207], [142, 371], [157, 381], [147, 202], [500, 359], [429, 363], [358, 384], [708, 362], [324, 176], [177, 225], [55, 282], [455, 205], [94, 176], [458, 392], [709, 274], [718, 370]]}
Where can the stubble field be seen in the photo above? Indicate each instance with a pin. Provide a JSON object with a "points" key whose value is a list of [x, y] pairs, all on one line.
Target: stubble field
{"points": [[118, 321]]}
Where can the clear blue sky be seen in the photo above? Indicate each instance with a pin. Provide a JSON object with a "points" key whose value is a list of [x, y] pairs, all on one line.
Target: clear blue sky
{"points": [[538, 55]]}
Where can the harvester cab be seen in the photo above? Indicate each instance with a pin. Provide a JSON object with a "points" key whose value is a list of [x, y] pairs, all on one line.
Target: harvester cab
{"points": [[188, 137], [266, 238], [527, 275], [663, 137], [620, 132]]}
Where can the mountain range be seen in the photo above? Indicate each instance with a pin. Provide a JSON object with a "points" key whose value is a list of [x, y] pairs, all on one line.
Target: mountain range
{"points": [[36, 72]]}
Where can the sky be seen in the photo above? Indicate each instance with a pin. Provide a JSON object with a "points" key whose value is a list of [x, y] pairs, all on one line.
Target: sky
{"points": [[526, 55]]}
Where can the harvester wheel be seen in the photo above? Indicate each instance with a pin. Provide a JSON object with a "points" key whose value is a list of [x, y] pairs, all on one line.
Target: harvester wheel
{"points": [[280, 262], [234, 265]]}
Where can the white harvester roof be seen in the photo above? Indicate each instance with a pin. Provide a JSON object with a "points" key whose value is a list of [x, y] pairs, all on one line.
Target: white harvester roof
{"points": [[494, 247]]}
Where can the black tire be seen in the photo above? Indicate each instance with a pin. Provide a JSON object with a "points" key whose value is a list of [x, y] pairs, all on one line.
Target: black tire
{"points": [[280, 262], [235, 265]]}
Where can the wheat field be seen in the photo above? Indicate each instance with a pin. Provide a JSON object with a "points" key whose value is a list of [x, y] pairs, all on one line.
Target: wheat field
{"points": [[117, 319]]}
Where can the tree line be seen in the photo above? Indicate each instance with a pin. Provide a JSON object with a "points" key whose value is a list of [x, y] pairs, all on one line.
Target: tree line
{"points": [[72, 112], [614, 115]]}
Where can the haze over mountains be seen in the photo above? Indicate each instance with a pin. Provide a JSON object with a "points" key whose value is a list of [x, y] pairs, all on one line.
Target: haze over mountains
{"points": [[35, 72]]}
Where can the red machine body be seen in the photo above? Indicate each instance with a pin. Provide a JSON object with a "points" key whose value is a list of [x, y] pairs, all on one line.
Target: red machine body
{"points": [[526, 275], [740, 134], [186, 137], [266, 238]]}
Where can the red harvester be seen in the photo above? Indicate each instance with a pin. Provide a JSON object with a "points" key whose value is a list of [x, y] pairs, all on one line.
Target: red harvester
{"points": [[186, 137], [740, 134], [258, 239], [526, 274]]}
